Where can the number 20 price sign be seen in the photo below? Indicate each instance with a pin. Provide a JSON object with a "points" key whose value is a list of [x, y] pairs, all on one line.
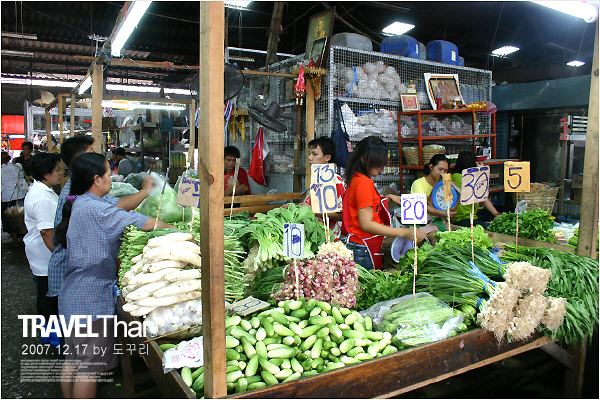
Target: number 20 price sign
{"points": [[414, 209], [475, 185], [323, 194]]}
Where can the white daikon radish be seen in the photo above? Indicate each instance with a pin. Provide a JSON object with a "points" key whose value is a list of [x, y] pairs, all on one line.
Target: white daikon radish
{"points": [[171, 237], [129, 307], [183, 275], [136, 259], [193, 247], [158, 265], [125, 292], [146, 290], [127, 276], [178, 287], [168, 300], [164, 253], [143, 279], [141, 311], [137, 268]]}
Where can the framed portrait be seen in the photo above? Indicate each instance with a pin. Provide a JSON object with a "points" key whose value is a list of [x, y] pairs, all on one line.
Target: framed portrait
{"points": [[409, 102], [448, 87], [320, 27]]}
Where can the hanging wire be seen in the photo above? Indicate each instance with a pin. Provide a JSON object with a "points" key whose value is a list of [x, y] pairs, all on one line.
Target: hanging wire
{"points": [[494, 37], [580, 45]]}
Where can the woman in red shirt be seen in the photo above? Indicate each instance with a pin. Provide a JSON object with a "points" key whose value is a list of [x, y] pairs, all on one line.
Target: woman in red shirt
{"points": [[366, 219]]}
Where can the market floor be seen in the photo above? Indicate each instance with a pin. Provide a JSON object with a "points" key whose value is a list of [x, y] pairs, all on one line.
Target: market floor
{"points": [[19, 298]]}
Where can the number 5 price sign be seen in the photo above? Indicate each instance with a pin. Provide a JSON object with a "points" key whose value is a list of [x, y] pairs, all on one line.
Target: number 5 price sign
{"points": [[323, 193], [516, 180], [293, 246], [413, 209], [474, 189]]}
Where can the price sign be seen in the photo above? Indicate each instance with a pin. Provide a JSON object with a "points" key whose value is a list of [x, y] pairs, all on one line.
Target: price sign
{"points": [[293, 240], [413, 209], [247, 306], [323, 194], [475, 185], [447, 178], [521, 207], [516, 176]]}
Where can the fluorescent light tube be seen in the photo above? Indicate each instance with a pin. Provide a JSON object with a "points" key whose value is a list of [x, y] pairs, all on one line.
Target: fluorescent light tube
{"points": [[37, 82], [397, 28], [237, 4], [130, 21], [575, 63], [85, 85], [27, 36], [136, 105], [16, 53], [126, 88], [504, 50], [586, 10]]}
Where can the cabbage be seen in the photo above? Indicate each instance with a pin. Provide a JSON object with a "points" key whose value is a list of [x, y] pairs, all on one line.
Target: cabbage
{"points": [[120, 189], [136, 179]]}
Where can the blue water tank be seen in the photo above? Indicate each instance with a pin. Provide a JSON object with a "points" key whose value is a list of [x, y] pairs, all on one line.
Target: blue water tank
{"points": [[442, 51], [401, 45]]}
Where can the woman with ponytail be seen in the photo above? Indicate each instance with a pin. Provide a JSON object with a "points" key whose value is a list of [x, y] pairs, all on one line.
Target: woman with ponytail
{"points": [[91, 230]]}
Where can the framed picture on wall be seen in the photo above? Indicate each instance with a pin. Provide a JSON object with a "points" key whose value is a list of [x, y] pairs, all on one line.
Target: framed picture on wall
{"points": [[448, 88], [320, 27], [318, 51], [409, 102]]}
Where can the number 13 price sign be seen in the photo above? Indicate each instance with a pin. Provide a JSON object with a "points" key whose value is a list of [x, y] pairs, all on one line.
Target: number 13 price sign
{"points": [[323, 193], [293, 246], [516, 180], [413, 208], [474, 189]]}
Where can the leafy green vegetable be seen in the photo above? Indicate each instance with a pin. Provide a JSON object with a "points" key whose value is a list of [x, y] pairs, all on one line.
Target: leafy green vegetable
{"points": [[120, 189], [533, 224], [378, 285], [463, 237], [170, 211], [135, 179]]}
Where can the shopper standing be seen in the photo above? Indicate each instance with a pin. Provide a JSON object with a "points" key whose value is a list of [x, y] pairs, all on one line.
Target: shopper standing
{"points": [[90, 230], [14, 189], [40, 207], [25, 159], [366, 219]]}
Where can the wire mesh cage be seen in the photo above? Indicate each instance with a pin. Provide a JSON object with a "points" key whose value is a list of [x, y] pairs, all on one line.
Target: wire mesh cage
{"points": [[369, 83]]}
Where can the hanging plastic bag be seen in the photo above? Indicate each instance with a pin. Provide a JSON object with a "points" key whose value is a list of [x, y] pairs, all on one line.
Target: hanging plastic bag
{"points": [[170, 211], [340, 137]]}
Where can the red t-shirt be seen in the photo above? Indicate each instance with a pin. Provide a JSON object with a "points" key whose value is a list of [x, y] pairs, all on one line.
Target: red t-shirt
{"points": [[242, 177], [361, 193]]}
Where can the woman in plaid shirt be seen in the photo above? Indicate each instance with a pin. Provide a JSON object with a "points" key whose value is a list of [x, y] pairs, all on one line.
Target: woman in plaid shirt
{"points": [[90, 231]]}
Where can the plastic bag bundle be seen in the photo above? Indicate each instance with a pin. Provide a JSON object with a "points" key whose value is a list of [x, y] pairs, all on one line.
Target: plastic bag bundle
{"points": [[122, 189], [169, 210], [185, 317], [136, 179]]}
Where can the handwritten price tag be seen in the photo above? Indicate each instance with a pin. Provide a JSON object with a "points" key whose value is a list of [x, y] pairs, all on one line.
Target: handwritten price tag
{"points": [[248, 306], [516, 176], [189, 192], [475, 185], [413, 209], [293, 240], [447, 178], [323, 194]]}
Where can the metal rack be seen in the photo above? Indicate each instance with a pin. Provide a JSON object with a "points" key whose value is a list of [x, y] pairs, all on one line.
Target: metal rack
{"points": [[475, 85]]}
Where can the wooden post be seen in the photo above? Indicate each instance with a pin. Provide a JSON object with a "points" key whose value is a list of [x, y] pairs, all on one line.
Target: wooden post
{"points": [[562, 174], [61, 111], [97, 89], [310, 121], [48, 131], [72, 117], [298, 152], [588, 225], [191, 156], [210, 173]]}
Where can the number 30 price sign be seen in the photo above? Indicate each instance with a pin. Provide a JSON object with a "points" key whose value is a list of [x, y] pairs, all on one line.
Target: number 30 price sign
{"points": [[323, 194], [475, 185]]}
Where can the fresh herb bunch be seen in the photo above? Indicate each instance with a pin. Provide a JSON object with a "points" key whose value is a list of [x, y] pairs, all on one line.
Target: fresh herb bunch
{"points": [[534, 224], [377, 285]]}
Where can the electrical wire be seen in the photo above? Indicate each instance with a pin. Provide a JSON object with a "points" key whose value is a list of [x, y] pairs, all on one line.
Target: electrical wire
{"points": [[364, 26], [55, 19], [580, 45], [494, 37]]}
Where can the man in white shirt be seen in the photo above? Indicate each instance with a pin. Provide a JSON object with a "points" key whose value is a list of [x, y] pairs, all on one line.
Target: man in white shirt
{"points": [[40, 208], [14, 189]]}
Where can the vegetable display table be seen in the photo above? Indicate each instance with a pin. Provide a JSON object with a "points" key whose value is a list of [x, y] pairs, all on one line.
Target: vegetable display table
{"points": [[502, 238]]}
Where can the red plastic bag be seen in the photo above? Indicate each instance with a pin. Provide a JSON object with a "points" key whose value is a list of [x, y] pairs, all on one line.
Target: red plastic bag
{"points": [[259, 153]]}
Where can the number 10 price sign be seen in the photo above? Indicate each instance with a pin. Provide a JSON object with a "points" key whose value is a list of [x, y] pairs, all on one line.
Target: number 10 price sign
{"points": [[323, 193], [474, 189], [413, 208], [293, 246]]}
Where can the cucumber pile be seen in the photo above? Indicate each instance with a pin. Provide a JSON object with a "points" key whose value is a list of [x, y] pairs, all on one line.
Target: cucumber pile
{"points": [[299, 338]]}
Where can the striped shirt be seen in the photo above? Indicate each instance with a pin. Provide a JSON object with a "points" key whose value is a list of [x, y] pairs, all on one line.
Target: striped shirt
{"points": [[93, 239], [58, 260]]}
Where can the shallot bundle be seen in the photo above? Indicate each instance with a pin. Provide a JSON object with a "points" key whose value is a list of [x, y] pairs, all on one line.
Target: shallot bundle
{"points": [[331, 277]]}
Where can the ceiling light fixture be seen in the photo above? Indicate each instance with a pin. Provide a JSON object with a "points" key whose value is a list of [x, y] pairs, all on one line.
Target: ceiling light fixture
{"points": [[397, 28], [504, 50], [16, 53], [240, 5], [27, 36], [575, 63], [141, 89], [85, 85], [586, 10], [131, 105], [133, 15], [37, 82]]}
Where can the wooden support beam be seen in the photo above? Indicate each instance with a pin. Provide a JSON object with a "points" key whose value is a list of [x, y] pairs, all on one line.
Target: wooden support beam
{"points": [[588, 227], [310, 121], [298, 151], [97, 88], [49, 131], [559, 354], [128, 62], [265, 73], [210, 173], [72, 116], [191, 151], [61, 112]]}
